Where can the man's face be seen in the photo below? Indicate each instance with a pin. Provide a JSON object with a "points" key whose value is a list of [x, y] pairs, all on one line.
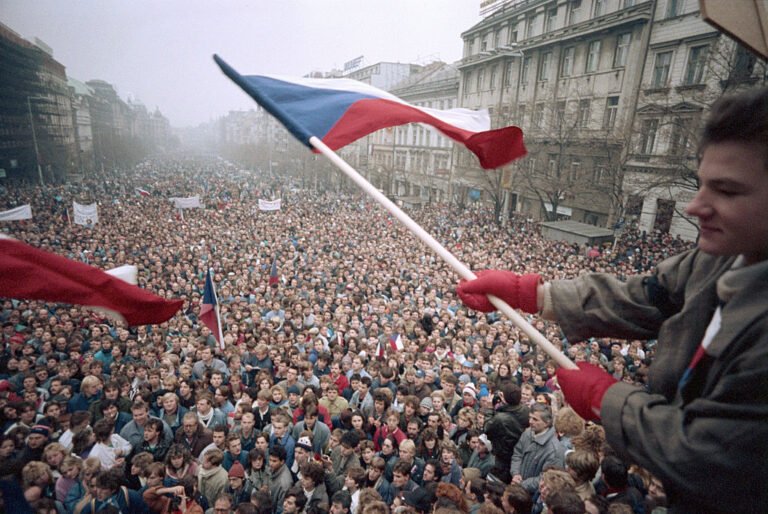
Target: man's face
{"points": [[337, 508], [110, 412], [730, 204], [189, 426], [279, 430], [262, 444], [35, 441], [150, 433], [235, 447], [140, 416], [203, 406], [289, 505], [222, 506], [274, 463], [399, 480], [538, 425], [102, 493], [219, 438], [247, 422]]}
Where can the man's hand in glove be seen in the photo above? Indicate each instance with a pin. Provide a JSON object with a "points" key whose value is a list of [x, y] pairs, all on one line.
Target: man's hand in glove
{"points": [[584, 389], [519, 291]]}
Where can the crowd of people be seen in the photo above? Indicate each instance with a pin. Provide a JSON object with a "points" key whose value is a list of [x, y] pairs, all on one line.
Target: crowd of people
{"points": [[358, 382]]}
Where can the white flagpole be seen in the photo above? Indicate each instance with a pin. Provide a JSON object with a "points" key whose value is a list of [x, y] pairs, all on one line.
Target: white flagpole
{"points": [[464, 272]]}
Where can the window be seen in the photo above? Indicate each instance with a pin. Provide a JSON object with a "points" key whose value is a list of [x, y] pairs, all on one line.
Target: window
{"points": [[598, 174], [743, 66], [559, 112], [628, 3], [599, 9], [680, 140], [593, 57], [648, 136], [583, 115], [550, 21], [526, 70], [467, 79], [521, 114], [480, 78], [497, 39], [622, 49], [494, 72], [529, 26], [611, 109], [573, 173], [567, 67], [538, 115], [508, 74], [552, 166], [661, 69], [574, 11], [546, 59], [512, 33], [674, 8], [697, 58], [484, 43]]}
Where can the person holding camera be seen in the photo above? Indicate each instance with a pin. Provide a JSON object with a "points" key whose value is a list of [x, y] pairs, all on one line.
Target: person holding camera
{"points": [[505, 428], [170, 500]]}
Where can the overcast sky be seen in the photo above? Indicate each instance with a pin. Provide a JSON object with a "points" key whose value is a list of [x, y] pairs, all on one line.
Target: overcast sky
{"points": [[159, 51]]}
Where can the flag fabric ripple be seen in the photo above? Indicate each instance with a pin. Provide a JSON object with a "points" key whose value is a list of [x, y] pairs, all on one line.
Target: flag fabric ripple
{"points": [[209, 313], [340, 111], [32, 274]]}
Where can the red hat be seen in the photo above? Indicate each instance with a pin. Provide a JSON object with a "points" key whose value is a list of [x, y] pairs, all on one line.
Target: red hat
{"points": [[236, 470]]}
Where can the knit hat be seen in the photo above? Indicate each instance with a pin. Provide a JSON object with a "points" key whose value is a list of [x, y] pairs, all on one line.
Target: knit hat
{"points": [[470, 389], [426, 402], [41, 430], [294, 389], [484, 439], [236, 471], [304, 443]]}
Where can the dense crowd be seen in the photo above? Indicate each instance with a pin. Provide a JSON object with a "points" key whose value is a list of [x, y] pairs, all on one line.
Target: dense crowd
{"points": [[297, 410]]}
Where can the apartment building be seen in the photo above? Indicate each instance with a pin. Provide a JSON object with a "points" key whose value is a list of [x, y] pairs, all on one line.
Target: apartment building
{"points": [[567, 73]]}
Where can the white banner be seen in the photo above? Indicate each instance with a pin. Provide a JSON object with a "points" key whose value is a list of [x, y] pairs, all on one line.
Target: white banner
{"points": [[23, 212], [269, 205], [192, 202], [85, 214]]}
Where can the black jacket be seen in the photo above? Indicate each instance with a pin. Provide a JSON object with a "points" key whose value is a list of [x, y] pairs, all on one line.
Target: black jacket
{"points": [[505, 428]]}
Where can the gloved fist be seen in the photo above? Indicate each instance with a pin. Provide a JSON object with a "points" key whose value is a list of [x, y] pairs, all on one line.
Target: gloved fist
{"points": [[584, 388], [519, 291]]}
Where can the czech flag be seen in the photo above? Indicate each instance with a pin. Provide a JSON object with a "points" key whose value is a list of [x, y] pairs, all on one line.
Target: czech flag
{"points": [[340, 111], [396, 342], [209, 312], [29, 273], [142, 192], [273, 278]]}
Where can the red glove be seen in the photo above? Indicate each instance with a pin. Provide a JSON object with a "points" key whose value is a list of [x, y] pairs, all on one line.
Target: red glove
{"points": [[519, 291], [584, 388]]}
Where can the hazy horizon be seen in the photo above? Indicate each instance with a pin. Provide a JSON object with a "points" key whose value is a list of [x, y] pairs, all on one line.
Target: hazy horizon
{"points": [[160, 53]]}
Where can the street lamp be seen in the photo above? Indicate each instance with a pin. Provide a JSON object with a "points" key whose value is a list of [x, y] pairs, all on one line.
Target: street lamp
{"points": [[34, 135]]}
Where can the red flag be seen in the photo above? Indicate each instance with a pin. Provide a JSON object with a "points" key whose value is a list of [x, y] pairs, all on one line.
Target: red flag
{"points": [[209, 312], [32, 274], [379, 351], [142, 192]]}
